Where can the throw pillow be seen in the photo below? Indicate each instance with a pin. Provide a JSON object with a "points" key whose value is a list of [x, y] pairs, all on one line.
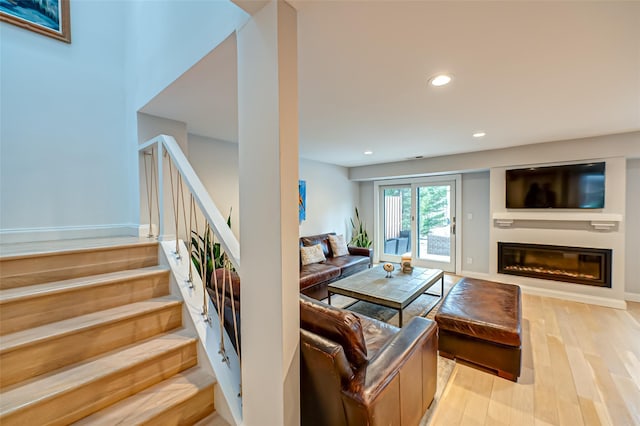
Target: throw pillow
{"points": [[312, 254], [318, 239], [338, 245]]}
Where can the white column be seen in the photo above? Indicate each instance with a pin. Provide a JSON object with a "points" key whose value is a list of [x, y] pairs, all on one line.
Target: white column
{"points": [[268, 165]]}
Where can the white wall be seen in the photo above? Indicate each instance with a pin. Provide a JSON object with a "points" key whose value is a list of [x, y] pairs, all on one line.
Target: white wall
{"points": [[216, 164], [625, 145], [165, 38], [170, 36], [475, 222], [557, 228], [76, 159], [618, 145], [64, 167], [366, 207], [150, 126], [331, 198], [632, 218]]}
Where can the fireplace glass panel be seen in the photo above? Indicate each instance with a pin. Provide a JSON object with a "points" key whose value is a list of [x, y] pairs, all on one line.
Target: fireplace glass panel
{"points": [[560, 263]]}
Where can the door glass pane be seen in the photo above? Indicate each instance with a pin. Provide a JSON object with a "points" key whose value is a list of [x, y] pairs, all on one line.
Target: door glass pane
{"points": [[397, 220], [434, 222]]}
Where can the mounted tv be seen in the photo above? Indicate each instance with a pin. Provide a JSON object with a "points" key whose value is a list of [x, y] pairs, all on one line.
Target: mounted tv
{"points": [[573, 186]]}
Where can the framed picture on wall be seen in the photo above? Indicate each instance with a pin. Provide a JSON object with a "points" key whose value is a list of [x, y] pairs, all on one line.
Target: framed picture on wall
{"points": [[48, 17], [302, 200]]}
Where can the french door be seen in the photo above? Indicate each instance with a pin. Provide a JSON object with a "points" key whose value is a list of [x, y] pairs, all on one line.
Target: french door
{"points": [[419, 216]]}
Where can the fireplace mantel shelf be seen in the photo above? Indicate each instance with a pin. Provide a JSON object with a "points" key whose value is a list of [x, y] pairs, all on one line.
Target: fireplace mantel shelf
{"points": [[599, 221]]}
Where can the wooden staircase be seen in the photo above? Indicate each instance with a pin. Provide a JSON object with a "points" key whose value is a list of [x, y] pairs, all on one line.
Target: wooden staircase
{"points": [[92, 335]]}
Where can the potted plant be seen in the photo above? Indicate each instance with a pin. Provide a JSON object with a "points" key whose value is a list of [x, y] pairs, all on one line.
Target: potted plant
{"points": [[359, 236], [203, 247]]}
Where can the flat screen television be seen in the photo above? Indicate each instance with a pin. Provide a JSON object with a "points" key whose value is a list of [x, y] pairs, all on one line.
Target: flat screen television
{"points": [[573, 186]]}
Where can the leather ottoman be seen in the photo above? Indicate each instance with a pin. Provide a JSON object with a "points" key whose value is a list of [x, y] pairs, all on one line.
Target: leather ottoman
{"points": [[479, 322]]}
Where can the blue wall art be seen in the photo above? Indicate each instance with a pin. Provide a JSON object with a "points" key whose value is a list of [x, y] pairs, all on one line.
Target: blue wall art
{"points": [[302, 200], [48, 17]]}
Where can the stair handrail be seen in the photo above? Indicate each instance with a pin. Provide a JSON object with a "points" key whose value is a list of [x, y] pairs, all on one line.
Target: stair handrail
{"points": [[227, 239], [225, 359]]}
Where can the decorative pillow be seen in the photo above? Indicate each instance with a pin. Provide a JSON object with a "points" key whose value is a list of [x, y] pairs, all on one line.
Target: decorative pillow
{"points": [[338, 245], [318, 239], [312, 254]]}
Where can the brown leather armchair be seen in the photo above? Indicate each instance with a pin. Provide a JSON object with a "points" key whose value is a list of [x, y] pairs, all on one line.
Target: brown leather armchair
{"points": [[360, 371]]}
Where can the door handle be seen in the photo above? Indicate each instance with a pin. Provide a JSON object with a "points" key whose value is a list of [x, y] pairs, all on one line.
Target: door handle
{"points": [[453, 226]]}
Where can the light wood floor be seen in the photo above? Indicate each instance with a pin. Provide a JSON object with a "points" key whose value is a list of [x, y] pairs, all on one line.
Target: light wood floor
{"points": [[581, 366]]}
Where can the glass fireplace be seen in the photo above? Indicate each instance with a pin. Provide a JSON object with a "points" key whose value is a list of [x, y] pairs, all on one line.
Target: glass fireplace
{"points": [[578, 265]]}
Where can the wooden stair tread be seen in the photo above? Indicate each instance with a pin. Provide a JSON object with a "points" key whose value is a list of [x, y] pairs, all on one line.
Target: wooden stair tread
{"points": [[48, 386], [41, 290], [90, 329], [40, 248], [118, 264], [36, 268], [73, 325], [152, 402]]}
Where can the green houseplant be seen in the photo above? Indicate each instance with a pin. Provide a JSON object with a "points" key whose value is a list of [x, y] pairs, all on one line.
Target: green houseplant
{"points": [[203, 248], [359, 236]]}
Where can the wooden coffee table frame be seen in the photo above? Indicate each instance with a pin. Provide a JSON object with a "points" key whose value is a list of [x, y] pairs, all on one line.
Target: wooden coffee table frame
{"points": [[381, 289]]}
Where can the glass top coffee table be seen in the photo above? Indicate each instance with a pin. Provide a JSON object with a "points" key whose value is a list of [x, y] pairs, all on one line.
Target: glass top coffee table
{"points": [[396, 292]]}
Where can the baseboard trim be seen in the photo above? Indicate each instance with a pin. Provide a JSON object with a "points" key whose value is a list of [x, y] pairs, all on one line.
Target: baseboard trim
{"points": [[632, 297], [143, 230], [558, 294], [24, 235], [574, 297], [478, 275]]}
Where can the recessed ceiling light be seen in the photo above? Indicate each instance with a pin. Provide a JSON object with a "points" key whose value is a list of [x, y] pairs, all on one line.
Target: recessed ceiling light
{"points": [[440, 80], [368, 153], [479, 134]]}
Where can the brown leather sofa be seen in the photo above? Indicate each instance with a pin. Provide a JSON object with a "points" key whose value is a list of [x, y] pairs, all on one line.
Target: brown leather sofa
{"points": [[315, 278], [356, 370], [231, 292]]}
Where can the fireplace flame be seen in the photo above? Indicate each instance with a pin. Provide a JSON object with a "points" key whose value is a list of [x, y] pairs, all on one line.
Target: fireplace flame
{"points": [[554, 272]]}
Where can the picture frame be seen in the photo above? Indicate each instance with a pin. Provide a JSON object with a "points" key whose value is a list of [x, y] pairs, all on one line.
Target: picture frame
{"points": [[302, 200], [50, 18]]}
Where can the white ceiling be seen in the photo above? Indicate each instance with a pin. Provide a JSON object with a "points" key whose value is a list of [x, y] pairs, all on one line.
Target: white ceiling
{"points": [[206, 96], [524, 72]]}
